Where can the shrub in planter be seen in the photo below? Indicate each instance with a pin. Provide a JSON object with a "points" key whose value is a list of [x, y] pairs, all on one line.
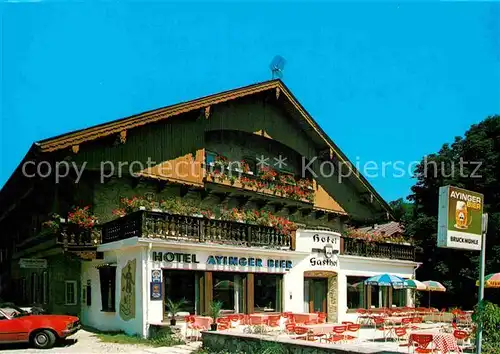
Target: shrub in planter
{"points": [[174, 307], [214, 312], [487, 314]]}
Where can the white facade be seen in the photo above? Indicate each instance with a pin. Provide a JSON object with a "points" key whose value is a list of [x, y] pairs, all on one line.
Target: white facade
{"points": [[156, 254]]}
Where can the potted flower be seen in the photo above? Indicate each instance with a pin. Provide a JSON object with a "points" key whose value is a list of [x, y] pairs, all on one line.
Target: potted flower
{"points": [[214, 312], [173, 308]]}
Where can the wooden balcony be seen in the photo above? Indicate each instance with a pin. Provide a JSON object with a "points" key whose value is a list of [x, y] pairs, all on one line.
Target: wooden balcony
{"points": [[358, 247], [183, 228], [72, 236]]}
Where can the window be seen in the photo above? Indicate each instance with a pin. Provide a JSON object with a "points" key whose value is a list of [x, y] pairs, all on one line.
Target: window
{"points": [[228, 288], [45, 287], [399, 297], [34, 288], [267, 292], [107, 277], [356, 292], [183, 285], [70, 292]]}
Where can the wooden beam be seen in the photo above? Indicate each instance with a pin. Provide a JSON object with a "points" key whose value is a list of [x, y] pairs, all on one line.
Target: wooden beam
{"points": [[123, 136], [75, 149], [207, 112]]}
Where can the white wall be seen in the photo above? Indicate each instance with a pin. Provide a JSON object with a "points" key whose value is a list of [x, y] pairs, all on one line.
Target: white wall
{"points": [[111, 321]]}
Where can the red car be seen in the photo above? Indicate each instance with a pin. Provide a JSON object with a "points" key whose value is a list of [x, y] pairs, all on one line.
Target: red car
{"points": [[41, 331]]}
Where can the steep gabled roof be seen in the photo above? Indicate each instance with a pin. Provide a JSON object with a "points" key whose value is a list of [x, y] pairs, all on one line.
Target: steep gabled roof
{"points": [[115, 127]]}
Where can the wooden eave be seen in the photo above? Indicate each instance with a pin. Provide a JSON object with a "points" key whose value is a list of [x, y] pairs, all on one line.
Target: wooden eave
{"points": [[286, 97]]}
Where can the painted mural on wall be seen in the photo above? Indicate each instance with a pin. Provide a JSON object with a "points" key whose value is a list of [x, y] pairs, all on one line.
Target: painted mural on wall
{"points": [[127, 297]]}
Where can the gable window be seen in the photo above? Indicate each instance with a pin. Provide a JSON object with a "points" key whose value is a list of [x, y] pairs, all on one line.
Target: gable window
{"points": [[107, 277], [70, 292]]}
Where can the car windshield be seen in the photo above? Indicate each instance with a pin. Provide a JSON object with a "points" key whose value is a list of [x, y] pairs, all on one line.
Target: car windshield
{"points": [[12, 310]]}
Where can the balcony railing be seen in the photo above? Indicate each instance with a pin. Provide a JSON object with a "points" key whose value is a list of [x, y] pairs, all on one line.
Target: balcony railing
{"points": [[357, 247], [73, 236], [183, 228]]}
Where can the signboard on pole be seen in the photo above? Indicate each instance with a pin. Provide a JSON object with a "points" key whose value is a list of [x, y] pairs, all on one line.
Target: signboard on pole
{"points": [[460, 218]]}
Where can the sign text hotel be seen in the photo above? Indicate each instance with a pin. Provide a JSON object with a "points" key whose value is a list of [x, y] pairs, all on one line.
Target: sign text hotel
{"points": [[221, 260]]}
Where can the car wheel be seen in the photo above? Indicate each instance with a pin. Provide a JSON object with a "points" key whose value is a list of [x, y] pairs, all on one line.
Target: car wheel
{"points": [[43, 339]]}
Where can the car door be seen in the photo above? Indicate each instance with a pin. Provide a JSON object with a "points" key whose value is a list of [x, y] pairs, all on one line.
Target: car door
{"points": [[13, 329]]}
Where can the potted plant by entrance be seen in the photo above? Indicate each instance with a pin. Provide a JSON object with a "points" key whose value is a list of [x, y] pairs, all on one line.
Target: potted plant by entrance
{"points": [[214, 312], [173, 308]]}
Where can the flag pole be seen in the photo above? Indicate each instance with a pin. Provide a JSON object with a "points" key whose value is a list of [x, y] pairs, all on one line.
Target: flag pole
{"points": [[480, 296]]}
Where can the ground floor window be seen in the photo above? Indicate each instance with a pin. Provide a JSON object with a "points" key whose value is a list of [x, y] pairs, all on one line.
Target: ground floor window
{"points": [[70, 292], [267, 292], [183, 285], [399, 297], [356, 292], [228, 289]]}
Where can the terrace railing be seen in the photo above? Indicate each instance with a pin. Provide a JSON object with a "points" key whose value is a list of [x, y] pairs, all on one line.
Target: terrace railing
{"points": [[363, 248], [160, 225]]}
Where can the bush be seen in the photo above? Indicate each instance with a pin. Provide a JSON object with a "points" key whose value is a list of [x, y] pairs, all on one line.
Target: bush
{"points": [[263, 347], [488, 315]]}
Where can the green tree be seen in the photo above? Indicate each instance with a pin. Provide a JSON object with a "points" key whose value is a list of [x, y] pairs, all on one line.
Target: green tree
{"points": [[471, 162]]}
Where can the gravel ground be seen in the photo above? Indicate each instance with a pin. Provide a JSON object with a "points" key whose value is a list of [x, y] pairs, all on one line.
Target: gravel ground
{"points": [[87, 342]]}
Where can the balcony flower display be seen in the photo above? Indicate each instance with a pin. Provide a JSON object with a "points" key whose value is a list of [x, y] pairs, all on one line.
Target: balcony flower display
{"points": [[82, 217], [267, 179], [52, 225], [183, 207], [376, 237], [267, 173]]}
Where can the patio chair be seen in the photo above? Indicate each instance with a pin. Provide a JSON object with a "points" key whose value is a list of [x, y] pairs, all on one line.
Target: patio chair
{"points": [[401, 334], [354, 329], [336, 336], [420, 343], [301, 333], [290, 328], [380, 326], [273, 321], [463, 339]]}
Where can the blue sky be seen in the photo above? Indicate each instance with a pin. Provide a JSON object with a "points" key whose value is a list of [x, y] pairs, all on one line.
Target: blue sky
{"points": [[387, 81]]}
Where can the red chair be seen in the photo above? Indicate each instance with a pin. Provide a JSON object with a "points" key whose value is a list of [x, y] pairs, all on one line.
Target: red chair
{"points": [[401, 334], [290, 328], [301, 333], [273, 320], [461, 337], [337, 335], [353, 328], [381, 327], [420, 343]]}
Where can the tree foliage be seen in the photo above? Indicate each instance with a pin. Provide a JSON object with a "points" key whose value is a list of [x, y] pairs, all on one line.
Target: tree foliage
{"points": [[471, 162]]}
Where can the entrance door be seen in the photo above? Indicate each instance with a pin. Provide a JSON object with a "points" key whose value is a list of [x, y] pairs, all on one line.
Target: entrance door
{"points": [[317, 295]]}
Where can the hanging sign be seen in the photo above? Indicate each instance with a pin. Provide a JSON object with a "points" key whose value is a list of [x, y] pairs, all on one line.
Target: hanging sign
{"points": [[33, 263], [155, 291], [460, 218]]}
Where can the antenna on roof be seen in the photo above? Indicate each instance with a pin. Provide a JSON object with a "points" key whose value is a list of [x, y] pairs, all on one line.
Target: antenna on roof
{"points": [[277, 66]]}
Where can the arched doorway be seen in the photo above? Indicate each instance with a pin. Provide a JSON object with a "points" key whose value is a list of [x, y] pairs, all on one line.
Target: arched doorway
{"points": [[321, 293]]}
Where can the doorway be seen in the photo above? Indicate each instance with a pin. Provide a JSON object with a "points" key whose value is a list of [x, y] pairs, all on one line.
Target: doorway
{"points": [[316, 291]]}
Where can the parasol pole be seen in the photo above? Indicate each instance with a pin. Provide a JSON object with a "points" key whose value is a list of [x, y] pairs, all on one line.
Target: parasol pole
{"points": [[480, 296]]}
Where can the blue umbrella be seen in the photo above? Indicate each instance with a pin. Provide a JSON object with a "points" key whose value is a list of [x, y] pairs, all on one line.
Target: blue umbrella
{"points": [[386, 280]]}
